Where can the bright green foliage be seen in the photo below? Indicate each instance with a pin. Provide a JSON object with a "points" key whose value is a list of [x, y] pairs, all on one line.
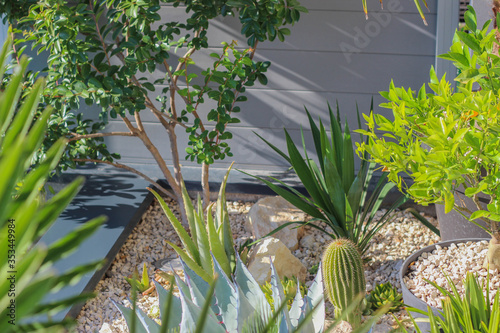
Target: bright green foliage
{"points": [[383, 294], [449, 137], [289, 289], [471, 313], [225, 306], [208, 235], [24, 218], [140, 284], [337, 195], [344, 278]]}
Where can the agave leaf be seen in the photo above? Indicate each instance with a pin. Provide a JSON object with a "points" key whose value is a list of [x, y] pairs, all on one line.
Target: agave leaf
{"points": [[202, 285], [199, 298], [279, 299], [174, 312], [189, 244], [246, 312], [296, 308], [182, 286], [128, 313], [222, 219], [190, 262], [251, 289], [216, 245], [203, 243], [305, 323], [315, 294], [227, 299], [190, 212], [207, 321]]}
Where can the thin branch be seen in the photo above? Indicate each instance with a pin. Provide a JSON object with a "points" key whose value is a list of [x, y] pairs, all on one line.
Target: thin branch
{"points": [[99, 33], [253, 50], [129, 125], [99, 135], [137, 172], [138, 121]]}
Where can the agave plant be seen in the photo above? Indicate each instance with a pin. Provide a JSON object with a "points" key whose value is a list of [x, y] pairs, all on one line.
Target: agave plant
{"points": [[472, 313], [210, 236], [227, 306], [337, 195], [25, 265]]}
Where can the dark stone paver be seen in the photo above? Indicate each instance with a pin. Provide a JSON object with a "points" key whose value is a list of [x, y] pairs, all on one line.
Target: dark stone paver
{"points": [[119, 195]]}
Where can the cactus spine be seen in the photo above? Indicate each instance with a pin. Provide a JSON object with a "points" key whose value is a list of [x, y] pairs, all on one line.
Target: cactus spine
{"points": [[344, 278]]}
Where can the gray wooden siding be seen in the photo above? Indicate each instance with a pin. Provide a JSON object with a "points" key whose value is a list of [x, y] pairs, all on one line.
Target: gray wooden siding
{"points": [[322, 61], [333, 54]]}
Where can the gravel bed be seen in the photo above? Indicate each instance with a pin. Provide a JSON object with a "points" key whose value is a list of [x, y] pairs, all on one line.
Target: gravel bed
{"points": [[454, 262], [387, 251]]}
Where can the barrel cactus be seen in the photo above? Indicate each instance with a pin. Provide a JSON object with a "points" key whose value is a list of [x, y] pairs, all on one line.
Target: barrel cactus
{"points": [[344, 278], [235, 306]]}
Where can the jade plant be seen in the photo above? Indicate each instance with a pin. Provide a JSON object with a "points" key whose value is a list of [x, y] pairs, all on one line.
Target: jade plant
{"points": [[344, 278], [448, 137]]}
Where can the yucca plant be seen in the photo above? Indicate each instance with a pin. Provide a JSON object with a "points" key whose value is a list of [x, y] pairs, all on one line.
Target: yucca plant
{"points": [[472, 313], [26, 277], [239, 306], [208, 235], [337, 195]]}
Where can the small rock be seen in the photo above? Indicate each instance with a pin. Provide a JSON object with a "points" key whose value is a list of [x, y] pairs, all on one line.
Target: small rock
{"points": [[285, 262], [307, 241], [271, 212], [342, 327], [105, 328]]}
